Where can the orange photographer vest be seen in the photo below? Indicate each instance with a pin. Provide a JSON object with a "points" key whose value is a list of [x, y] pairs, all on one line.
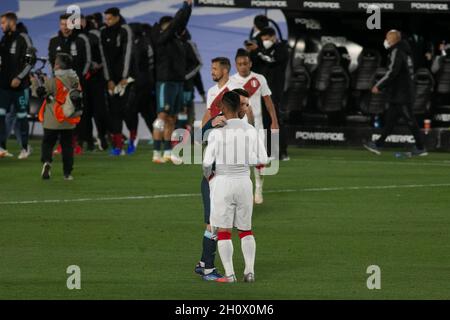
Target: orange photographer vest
{"points": [[60, 99]]}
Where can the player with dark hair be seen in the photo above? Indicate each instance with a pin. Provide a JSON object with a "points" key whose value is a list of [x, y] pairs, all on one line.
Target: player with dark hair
{"points": [[256, 85], [15, 46], [206, 267], [170, 77], [220, 72], [95, 88], [117, 41], [230, 184]]}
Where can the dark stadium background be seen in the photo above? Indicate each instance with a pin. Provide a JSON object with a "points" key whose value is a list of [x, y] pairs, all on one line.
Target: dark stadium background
{"points": [[217, 31]]}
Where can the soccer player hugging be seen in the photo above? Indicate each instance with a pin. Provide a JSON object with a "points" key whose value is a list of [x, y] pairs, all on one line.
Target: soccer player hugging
{"points": [[231, 151]]}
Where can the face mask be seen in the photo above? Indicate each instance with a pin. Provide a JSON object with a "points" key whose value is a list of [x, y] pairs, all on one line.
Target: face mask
{"points": [[267, 44], [386, 44]]}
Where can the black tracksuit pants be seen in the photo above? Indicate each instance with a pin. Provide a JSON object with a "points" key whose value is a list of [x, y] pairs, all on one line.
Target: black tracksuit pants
{"points": [[394, 113], [95, 107], [123, 108], [49, 142]]}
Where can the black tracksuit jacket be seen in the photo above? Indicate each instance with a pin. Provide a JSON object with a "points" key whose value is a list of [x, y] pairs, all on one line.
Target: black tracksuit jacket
{"points": [[169, 48], [399, 79], [118, 45], [13, 64]]}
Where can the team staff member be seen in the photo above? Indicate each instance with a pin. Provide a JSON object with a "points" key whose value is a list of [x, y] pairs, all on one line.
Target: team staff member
{"points": [[274, 58], [14, 80], [170, 77], [117, 41], [399, 83], [256, 85], [254, 45]]}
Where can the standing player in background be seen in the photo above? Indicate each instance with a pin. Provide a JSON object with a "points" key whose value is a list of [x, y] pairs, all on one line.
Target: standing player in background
{"points": [[193, 66], [117, 41], [94, 90], [170, 76], [256, 85], [144, 60], [220, 72], [230, 152], [14, 81]]}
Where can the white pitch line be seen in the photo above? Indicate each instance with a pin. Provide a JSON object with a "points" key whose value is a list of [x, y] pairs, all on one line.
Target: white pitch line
{"points": [[192, 195], [433, 163]]}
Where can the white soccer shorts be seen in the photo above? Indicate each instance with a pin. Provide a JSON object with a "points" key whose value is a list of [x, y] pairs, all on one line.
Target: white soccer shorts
{"points": [[231, 202]]}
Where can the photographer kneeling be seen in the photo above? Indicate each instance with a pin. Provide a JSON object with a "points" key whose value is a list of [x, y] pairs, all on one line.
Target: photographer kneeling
{"points": [[59, 114]]}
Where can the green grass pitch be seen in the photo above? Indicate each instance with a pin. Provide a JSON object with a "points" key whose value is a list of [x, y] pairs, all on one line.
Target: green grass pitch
{"points": [[327, 216]]}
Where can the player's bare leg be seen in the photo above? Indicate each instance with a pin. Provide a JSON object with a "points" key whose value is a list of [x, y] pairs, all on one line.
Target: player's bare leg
{"points": [[248, 245], [225, 248]]}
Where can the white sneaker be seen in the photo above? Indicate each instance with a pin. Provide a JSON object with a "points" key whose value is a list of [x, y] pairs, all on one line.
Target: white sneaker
{"points": [[157, 157], [5, 154], [259, 199], [167, 156], [68, 177], [176, 160], [24, 154], [250, 277]]}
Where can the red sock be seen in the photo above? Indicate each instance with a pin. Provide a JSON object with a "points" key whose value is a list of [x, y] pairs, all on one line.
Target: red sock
{"points": [[133, 135], [117, 140], [244, 234], [224, 235]]}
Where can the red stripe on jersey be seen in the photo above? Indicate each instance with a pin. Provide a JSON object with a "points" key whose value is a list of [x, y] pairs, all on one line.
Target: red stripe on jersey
{"points": [[214, 109], [244, 234], [224, 235], [252, 86]]}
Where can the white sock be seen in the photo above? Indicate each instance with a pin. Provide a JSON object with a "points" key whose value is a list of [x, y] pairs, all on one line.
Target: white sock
{"points": [[208, 271], [248, 245], [259, 180], [225, 248]]}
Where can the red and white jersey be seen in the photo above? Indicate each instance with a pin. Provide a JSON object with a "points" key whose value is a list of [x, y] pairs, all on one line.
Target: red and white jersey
{"points": [[256, 85], [214, 97]]}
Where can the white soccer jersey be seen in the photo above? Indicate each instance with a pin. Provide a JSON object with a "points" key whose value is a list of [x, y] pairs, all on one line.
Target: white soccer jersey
{"points": [[233, 149], [256, 85], [214, 97]]}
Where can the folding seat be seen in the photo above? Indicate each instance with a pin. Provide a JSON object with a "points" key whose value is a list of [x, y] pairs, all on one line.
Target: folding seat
{"points": [[443, 77], [424, 83], [368, 62], [333, 98], [328, 58], [297, 92]]}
